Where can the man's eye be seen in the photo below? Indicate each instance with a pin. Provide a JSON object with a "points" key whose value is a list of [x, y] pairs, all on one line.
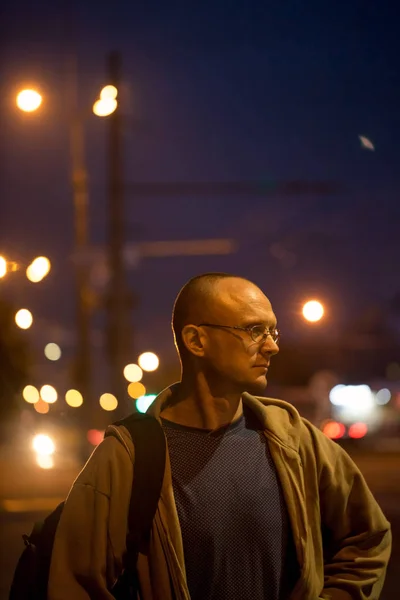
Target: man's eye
{"points": [[258, 331]]}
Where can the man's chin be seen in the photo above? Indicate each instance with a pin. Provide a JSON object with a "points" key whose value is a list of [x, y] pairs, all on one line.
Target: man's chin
{"points": [[257, 387]]}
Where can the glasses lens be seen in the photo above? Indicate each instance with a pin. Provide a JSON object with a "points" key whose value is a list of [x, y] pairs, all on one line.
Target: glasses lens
{"points": [[259, 334]]}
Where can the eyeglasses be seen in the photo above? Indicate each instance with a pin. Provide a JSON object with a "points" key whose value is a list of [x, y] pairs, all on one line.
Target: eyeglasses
{"points": [[258, 333]]}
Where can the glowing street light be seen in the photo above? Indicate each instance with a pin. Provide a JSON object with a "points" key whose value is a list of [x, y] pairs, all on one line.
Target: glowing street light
{"points": [[109, 92], [52, 351], [136, 389], [133, 373], [38, 269], [148, 361], [3, 267], [43, 444], [29, 100], [30, 394], [108, 402], [104, 107], [24, 318], [74, 398], [107, 102], [48, 393], [313, 311]]}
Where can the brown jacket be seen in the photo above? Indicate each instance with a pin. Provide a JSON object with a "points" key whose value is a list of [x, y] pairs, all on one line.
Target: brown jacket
{"points": [[324, 491]]}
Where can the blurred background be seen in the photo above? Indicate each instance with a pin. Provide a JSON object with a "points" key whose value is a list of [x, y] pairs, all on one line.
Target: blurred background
{"points": [[144, 144]]}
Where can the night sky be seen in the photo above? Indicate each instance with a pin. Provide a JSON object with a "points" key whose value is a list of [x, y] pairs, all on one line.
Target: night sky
{"points": [[213, 91]]}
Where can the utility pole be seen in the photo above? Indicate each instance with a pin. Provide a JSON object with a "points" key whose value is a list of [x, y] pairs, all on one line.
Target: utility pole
{"points": [[82, 365], [118, 326]]}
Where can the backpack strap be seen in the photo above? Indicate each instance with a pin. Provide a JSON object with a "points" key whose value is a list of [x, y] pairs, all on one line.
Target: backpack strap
{"points": [[148, 474]]}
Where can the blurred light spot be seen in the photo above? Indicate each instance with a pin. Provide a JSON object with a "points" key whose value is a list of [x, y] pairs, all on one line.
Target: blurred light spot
{"points": [[148, 361], [43, 444], [133, 373], [38, 269], [109, 92], [108, 402], [135, 390], [313, 311], [143, 403], [358, 430], [366, 143], [48, 393], [30, 394], [104, 107], [74, 398], [3, 266], [334, 430], [45, 461], [358, 397], [29, 100], [383, 396], [41, 407], [52, 351], [24, 318], [95, 437]]}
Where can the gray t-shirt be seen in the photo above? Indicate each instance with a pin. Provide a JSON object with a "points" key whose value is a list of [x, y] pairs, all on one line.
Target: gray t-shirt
{"points": [[236, 534]]}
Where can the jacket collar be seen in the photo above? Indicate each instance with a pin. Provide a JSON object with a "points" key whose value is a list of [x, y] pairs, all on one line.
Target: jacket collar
{"points": [[277, 417]]}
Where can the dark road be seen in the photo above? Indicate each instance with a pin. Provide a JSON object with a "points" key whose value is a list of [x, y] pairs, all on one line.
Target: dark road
{"points": [[381, 473]]}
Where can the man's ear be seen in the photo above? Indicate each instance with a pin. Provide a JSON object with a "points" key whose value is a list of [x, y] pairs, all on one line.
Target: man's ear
{"points": [[193, 338]]}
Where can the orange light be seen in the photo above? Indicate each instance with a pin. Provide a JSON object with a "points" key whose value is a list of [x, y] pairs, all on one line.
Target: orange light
{"points": [[41, 407], [358, 430], [334, 430], [95, 437]]}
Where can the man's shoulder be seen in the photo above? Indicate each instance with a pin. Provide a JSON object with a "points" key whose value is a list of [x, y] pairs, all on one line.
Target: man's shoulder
{"points": [[284, 420]]}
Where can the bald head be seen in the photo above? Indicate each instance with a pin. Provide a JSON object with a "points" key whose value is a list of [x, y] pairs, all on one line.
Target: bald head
{"points": [[213, 298]]}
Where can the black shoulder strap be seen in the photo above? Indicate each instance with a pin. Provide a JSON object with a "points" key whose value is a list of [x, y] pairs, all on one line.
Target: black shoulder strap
{"points": [[148, 474]]}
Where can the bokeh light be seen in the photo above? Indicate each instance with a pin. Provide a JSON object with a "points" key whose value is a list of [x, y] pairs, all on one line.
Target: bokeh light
{"points": [[358, 430], [135, 390], [108, 402], [44, 461], [383, 396], [104, 107], [24, 318], [74, 398], [313, 311], [95, 436], [109, 92], [133, 373], [48, 393], [41, 407], [3, 267], [52, 351], [38, 269], [143, 403], [334, 430], [148, 361], [43, 444], [30, 394], [29, 100]]}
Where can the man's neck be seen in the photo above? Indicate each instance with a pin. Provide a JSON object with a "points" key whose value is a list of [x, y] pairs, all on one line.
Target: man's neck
{"points": [[194, 405]]}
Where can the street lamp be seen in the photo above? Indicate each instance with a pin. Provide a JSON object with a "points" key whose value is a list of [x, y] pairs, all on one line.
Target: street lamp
{"points": [[29, 100], [3, 266], [107, 102], [313, 311], [24, 318], [38, 269]]}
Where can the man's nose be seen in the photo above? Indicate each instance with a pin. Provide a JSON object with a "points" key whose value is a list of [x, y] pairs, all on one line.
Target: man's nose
{"points": [[269, 346]]}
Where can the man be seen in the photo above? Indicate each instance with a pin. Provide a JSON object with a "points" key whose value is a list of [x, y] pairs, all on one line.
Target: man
{"points": [[256, 503]]}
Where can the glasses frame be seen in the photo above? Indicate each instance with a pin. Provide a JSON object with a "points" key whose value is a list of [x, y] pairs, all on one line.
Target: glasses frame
{"points": [[274, 333]]}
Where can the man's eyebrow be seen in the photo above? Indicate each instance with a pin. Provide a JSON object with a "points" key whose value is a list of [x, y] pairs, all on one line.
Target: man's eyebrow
{"points": [[271, 323]]}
